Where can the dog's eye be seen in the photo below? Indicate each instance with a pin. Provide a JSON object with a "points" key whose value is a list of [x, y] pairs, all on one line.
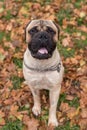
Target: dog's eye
{"points": [[33, 31], [50, 30]]}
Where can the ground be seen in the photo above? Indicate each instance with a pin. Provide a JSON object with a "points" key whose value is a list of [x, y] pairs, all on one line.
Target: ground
{"points": [[15, 97]]}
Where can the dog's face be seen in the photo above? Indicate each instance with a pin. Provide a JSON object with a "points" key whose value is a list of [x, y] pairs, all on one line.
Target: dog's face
{"points": [[41, 36]]}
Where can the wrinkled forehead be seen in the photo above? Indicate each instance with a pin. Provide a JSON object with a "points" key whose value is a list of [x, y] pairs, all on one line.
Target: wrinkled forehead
{"points": [[41, 23]]}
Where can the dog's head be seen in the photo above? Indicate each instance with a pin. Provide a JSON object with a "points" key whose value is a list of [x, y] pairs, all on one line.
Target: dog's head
{"points": [[41, 36]]}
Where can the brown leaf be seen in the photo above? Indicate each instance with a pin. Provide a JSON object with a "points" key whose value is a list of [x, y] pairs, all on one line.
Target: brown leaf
{"points": [[82, 14], [32, 123], [36, 6], [73, 112], [65, 42], [43, 126], [64, 107], [16, 43], [82, 62], [14, 108], [50, 128], [23, 11], [69, 97], [19, 116], [84, 84], [83, 28], [2, 121], [84, 113], [2, 114], [83, 124], [83, 99], [8, 101], [9, 27]]}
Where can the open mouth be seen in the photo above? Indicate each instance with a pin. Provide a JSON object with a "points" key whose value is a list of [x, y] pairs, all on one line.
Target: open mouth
{"points": [[43, 51]]}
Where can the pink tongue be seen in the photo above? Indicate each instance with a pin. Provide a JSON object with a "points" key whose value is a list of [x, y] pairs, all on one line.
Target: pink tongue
{"points": [[43, 51]]}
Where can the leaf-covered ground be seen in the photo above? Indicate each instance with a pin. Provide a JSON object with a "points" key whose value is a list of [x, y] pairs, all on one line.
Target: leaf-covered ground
{"points": [[15, 97]]}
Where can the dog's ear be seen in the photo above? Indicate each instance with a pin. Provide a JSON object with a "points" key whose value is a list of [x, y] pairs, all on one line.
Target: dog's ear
{"points": [[58, 28], [26, 30], [28, 24]]}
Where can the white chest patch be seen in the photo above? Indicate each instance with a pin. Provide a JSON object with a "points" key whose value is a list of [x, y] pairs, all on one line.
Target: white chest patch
{"points": [[42, 83]]}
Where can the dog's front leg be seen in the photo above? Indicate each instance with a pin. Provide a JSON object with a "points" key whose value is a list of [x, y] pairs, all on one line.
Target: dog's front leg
{"points": [[36, 97], [54, 96]]}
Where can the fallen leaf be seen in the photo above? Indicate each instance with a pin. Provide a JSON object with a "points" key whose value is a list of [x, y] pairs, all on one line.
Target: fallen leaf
{"points": [[83, 99], [84, 112], [83, 28], [82, 62], [83, 124], [2, 57], [50, 128], [82, 14], [19, 116], [14, 108], [84, 84], [65, 42], [64, 107], [73, 113], [23, 11], [9, 27], [69, 97], [2, 121], [32, 124]]}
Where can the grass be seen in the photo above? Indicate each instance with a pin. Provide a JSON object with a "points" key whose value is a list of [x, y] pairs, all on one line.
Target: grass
{"points": [[18, 62], [1, 0], [2, 57], [80, 43], [70, 29], [8, 16], [16, 81], [16, 125], [78, 4], [44, 116], [4, 35], [8, 36], [68, 13], [68, 127], [43, 2], [65, 51], [64, 13], [80, 21], [72, 103], [25, 107], [62, 98]]}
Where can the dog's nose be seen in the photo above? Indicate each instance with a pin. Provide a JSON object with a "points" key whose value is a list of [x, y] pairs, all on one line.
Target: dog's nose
{"points": [[43, 37]]}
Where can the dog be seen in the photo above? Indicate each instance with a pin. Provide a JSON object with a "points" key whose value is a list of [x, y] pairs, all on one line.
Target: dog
{"points": [[42, 65]]}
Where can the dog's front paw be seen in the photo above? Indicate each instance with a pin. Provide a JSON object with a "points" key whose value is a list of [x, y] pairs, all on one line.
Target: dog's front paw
{"points": [[36, 110], [53, 122]]}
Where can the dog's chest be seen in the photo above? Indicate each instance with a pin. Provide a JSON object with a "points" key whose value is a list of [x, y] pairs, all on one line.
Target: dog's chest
{"points": [[43, 80]]}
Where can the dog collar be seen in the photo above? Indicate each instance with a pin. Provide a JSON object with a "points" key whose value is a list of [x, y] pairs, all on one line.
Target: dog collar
{"points": [[52, 68]]}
